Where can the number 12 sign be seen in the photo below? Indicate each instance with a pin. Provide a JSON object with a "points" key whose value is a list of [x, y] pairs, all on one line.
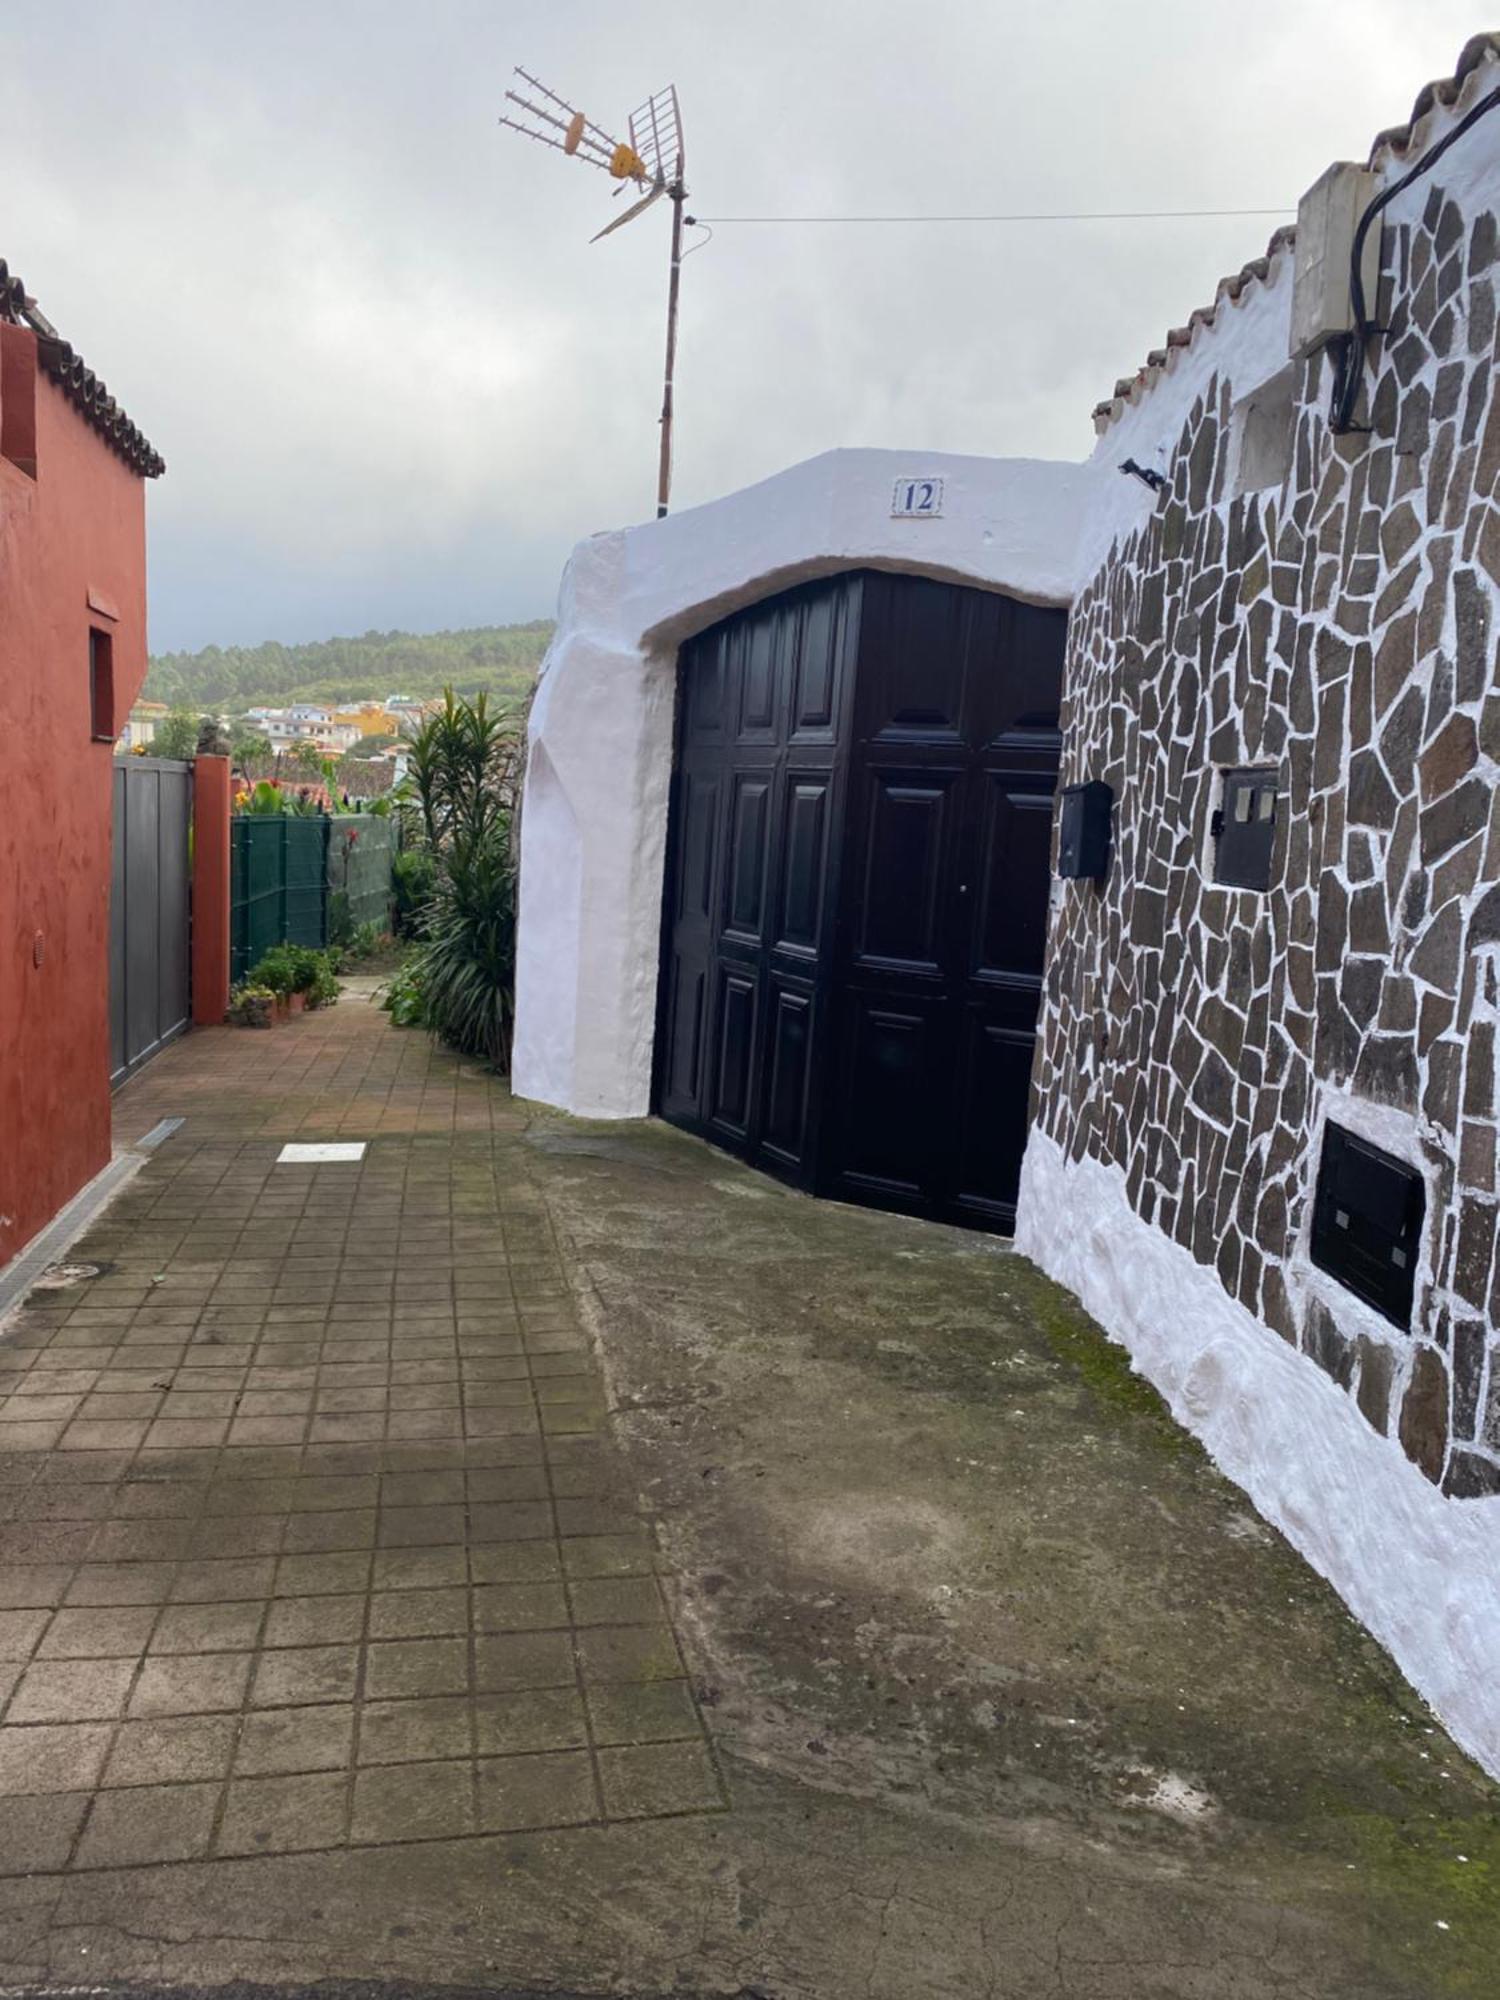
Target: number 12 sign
{"points": [[917, 500]]}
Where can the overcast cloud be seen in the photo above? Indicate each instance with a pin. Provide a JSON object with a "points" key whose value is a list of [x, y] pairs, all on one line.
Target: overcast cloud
{"points": [[394, 383]]}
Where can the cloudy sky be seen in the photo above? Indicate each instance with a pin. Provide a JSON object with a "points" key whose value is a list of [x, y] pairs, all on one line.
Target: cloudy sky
{"points": [[394, 383]]}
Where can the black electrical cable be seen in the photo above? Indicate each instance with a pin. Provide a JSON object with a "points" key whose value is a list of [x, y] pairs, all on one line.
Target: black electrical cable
{"points": [[1350, 351]]}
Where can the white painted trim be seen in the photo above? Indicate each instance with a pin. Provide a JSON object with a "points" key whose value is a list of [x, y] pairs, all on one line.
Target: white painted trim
{"points": [[593, 833], [1421, 1571]]}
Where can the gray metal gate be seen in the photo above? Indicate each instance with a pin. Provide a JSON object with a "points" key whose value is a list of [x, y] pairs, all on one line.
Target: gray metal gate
{"points": [[150, 1000]]}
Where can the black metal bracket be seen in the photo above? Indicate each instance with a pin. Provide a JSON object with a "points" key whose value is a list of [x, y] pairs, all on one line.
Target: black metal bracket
{"points": [[1146, 474]]}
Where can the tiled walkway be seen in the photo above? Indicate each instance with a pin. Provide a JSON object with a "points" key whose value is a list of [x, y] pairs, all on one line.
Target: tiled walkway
{"points": [[310, 1530]]}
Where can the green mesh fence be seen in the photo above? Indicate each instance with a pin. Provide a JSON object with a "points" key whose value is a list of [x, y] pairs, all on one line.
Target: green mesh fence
{"points": [[360, 850], [278, 885]]}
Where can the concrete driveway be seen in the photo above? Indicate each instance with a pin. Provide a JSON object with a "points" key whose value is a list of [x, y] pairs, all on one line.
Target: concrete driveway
{"points": [[536, 1557]]}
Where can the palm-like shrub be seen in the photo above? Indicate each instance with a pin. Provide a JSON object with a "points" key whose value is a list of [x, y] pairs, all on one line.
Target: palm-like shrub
{"points": [[466, 773]]}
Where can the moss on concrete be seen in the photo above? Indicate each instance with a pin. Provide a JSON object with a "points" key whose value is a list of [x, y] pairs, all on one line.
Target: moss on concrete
{"points": [[962, 1557]]}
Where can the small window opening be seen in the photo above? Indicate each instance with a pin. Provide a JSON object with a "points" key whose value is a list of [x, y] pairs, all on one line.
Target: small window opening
{"points": [[1266, 421], [1367, 1223], [1244, 829], [101, 686]]}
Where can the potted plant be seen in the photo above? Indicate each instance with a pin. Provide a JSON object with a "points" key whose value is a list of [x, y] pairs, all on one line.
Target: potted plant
{"points": [[277, 972], [252, 1006]]}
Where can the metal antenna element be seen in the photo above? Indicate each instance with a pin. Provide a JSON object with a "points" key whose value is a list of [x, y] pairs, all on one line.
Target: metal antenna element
{"points": [[654, 159], [581, 138]]}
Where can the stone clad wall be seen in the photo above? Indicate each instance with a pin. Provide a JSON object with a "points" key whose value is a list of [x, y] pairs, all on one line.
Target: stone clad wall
{"points": [[1339, 626]]}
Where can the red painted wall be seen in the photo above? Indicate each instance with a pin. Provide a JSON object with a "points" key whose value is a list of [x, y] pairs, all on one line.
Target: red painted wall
{"points": [[211, 890], [77, 529]]}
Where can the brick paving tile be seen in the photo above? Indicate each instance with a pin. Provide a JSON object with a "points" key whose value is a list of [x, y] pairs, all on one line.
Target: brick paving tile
{"points": [[311, 1528]]}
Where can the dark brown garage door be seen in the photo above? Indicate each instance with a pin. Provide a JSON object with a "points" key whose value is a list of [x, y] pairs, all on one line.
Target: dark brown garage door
{"points": [[857, 889]]}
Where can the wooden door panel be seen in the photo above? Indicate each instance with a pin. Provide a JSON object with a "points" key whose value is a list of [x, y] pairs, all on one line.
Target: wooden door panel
{"points": [[817, 678], [734, 1051], [682, 1078], [1028, 694], [990, 1125], [804, 861], [747, 837], [911, 666], [699, 795], [789, 1080], [890, 1129], [703, 675], [757, 647], [1009, 896], [900, 888]]}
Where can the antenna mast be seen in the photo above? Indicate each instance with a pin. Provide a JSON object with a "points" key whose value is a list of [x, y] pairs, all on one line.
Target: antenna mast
{"points": [[654, 160]]}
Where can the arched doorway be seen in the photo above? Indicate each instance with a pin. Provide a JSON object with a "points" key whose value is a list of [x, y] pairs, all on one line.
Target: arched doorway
{"points": [[856, 890]]}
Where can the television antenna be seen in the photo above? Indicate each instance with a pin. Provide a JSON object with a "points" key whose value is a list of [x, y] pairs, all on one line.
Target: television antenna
{"points": [[652, 160]]}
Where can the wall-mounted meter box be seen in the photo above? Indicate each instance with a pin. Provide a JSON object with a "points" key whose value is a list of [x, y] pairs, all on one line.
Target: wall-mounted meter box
{"points": [[1083, 832], [1327, 217]]}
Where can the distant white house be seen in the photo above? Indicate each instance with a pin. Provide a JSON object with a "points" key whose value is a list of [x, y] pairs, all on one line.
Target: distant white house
{"points": [[304, 722]]}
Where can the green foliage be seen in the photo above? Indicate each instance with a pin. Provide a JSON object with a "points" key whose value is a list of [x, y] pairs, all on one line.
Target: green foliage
{"points": [[498, 660], [368, 746], [322, 989], [246, 743], [403, 998], [296, 968], [262, 800], [340, 918], [466, 775], [413, 878], [267, 798], [275, 971], [176, 735], [468, 957], [368, 938], [307, 758], [457, 757]]}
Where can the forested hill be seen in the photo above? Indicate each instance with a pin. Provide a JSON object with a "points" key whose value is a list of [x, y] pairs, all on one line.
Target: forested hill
{"points": [[498, 659]]}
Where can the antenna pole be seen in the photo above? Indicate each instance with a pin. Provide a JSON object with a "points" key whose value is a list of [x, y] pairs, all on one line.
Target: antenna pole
{"points": [[678, 194]]}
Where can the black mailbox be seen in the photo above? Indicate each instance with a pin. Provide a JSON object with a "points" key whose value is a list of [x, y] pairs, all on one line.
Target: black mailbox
{"points": [[1083, 836]]}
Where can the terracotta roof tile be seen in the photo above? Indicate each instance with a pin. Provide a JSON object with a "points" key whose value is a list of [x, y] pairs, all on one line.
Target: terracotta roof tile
{"points": [[1479, 51], [78, 381]]}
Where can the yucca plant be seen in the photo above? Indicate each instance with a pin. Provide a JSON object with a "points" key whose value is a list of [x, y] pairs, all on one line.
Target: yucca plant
{"points": [[468, 959], [462, 759], [466, 773]]}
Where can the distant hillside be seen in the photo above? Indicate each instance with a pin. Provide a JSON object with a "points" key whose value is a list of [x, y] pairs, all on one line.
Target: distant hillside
{"points": [[500, 660]]}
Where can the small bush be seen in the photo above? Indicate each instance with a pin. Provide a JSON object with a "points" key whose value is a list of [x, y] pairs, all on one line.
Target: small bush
{"points": [[323, 989], [276, 971], [298, 968], [403, 998]]}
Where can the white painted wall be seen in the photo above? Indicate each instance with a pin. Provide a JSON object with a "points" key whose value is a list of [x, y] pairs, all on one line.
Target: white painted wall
{"points": [[1422, 1572], [594, 827]]}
